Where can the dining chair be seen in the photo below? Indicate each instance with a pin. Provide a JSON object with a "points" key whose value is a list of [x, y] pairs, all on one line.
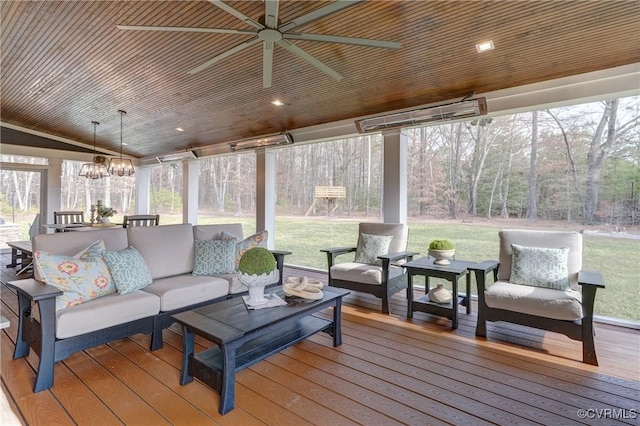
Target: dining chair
{"points": [[141, 220], [67, 218]]}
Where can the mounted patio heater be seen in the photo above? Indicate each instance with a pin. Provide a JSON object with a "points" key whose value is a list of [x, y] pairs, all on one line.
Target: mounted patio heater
{"points": [[261, 142], [433, 114]]}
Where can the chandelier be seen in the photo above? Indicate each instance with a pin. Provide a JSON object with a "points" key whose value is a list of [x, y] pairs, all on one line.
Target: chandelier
{"points": [[121, 166], [97, 169]]}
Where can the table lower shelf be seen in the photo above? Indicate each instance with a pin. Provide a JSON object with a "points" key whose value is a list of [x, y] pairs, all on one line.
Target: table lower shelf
{"points": [[208, 365]]}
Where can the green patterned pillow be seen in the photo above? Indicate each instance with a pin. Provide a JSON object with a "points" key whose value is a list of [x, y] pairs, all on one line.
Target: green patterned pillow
{"points": [[540, 267], [82, 277], [370, 247], [215, 257], [128, 269]]}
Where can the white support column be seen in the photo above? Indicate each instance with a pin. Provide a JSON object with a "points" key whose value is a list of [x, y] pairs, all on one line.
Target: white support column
{"points": [[54, 188], [266, 193], [190, 178], [143, 189], [394, 190]]}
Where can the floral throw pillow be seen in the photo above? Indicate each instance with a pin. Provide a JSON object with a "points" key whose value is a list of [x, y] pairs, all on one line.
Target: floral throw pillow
{"points": [[82, 277], [540, 267], [128, 268], [215, 257], [370, 247], [256, 240]]}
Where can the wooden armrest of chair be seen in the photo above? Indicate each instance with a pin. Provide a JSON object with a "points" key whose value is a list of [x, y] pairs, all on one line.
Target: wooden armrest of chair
{"points": [[334, 252], [591, 278], [392, 257]]}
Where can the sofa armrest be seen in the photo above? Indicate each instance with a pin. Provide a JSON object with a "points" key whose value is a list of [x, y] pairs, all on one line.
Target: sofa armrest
{"points": [[334, 252], [34, 290], [279, 255]]}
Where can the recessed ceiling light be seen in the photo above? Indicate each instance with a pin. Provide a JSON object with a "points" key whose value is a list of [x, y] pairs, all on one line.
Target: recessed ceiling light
{"points": [[180, 129], [484, 46], [277, 102]]}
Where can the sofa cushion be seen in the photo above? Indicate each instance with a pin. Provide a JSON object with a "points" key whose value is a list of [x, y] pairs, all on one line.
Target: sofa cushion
{"points": [[70, 243], [256, 240], [215, 257], [167, 249], [370, 247], [362, 272], [128, 269], [184, 290], [82, 277], [542, 302], [104, 312], [540, 267]]}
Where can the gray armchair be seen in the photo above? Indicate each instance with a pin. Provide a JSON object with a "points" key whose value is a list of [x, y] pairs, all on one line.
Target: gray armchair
{"points": [[383, 278], [553, 306]]}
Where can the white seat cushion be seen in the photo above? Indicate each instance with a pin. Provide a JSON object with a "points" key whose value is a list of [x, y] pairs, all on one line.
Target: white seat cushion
{"points": [[104, 312], [184, 290], [542, 302], [362, 272]]}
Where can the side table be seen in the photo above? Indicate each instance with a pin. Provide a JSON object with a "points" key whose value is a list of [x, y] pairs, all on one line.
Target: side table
{"points": [[452, 272]]}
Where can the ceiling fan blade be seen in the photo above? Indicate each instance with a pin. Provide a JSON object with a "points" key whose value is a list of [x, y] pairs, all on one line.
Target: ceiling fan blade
{"points": [[307, 57], [224, 55], [187, 29], [343, 40], [237, 14], [267, 63], [318, 13], [271, 13]]}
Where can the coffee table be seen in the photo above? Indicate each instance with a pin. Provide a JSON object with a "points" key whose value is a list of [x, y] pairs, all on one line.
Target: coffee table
{"points": [[244, 336]]}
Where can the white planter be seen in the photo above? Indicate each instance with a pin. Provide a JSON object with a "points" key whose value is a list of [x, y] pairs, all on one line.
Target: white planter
{"points": [[442, 256], [256, 284]]}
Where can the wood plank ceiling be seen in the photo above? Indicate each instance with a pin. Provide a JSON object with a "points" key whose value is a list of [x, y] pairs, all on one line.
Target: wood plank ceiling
{"points": [[64, 63]]}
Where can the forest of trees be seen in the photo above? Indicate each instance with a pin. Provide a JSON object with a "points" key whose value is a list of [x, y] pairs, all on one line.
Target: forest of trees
{"points": [[577, 163]]}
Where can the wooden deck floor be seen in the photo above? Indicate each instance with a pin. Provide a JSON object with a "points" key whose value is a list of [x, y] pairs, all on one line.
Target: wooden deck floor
{"points": [[389, 370]]}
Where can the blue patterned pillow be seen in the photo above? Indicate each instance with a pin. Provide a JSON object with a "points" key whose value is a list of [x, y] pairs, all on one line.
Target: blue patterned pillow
{"points": [[128, 269], [540, 267], [370, 247], [82, 277], [215, 257]]}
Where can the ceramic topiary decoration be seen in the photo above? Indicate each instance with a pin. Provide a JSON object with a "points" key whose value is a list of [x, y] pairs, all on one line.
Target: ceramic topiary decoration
{"points": [[442, 251], [256, 269]]}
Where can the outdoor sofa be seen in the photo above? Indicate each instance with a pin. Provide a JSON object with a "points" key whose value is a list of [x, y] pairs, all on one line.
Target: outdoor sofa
{"points": [[169, 254]]}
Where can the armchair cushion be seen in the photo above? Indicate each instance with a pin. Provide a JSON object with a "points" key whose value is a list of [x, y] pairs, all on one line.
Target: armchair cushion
{"points": [[370, 247], [540, 267], [362, 273], [538, 301], [215, 257]]}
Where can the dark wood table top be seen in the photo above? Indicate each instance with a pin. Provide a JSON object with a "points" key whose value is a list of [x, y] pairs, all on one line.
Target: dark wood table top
{"points": [[231, 319]]}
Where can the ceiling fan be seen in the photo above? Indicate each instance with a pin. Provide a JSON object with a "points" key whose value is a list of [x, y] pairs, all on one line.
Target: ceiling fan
{"points": [[270, 33]]}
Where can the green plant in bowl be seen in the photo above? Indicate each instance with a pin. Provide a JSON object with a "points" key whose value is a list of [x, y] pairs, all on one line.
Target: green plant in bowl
{"points": [[442, 251]]}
